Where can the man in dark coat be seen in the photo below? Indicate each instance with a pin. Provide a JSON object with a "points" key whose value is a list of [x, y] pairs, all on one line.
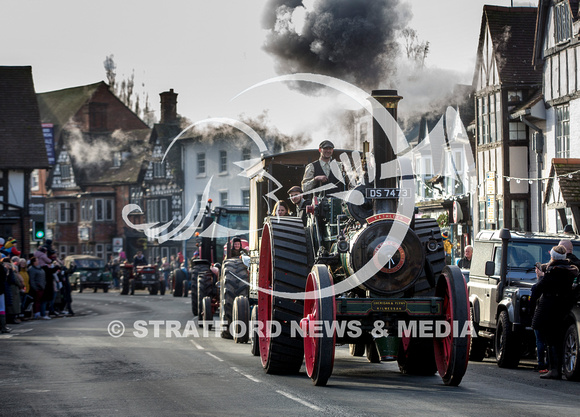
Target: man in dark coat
{"points": [[139, 259], [465, 262], [569, 253], [554, 291]]}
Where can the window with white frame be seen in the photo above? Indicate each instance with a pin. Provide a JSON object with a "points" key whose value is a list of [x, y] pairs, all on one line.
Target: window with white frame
{"points": [[152, 211], [158, 169], [223, 198], [563, 131], [201, 163], [199, 202], [246, 154], [137, 196], [223, 161], [562, 22], [117, 158], [86, 210], [34, 181], [100, 250], [71, 250], [246, 197]]}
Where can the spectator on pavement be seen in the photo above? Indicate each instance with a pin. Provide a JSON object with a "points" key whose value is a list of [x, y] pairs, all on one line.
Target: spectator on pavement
{"points": [[554, 291], [26, 295], [465, 262], [3, 327], [37, 285]]}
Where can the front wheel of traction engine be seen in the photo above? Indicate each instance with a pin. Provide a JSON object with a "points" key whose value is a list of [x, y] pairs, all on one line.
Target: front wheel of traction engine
{"points": [[452, 351], [319, 347], [283, 268]]}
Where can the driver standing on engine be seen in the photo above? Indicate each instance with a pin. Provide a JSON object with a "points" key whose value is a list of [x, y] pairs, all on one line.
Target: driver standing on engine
{"points": [[318, 174]]}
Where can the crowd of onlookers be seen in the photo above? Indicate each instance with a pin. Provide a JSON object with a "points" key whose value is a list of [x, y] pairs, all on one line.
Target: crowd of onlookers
{"points": [[35, 287]]}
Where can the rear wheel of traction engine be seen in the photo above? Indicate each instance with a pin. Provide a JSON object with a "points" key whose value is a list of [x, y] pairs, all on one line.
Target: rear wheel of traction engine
{"points": [[452, 353], [206, 313], [241, 319], [283, 268], [233, 283], [204, 289], [319, 346], [254, 338], [178, 278], [356, 349]]}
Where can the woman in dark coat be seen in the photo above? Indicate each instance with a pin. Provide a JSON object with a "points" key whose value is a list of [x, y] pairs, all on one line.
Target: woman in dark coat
{"points": [[554, 292]]}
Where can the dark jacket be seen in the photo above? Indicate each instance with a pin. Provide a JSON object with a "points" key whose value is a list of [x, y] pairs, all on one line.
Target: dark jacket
{"points": [[37, 278], [331, 178], [301, 210], [554, 292], [139, 261]]}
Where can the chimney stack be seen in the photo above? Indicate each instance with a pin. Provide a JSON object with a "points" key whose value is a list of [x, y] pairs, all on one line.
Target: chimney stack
{"points": [[168, 107]]}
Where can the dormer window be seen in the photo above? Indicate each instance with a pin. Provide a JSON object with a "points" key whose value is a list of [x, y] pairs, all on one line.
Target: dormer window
{"points": [[562, 22]]}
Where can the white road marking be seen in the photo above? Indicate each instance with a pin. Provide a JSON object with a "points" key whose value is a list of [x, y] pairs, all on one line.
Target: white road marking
{"points": [[250, 377], [214, 356], [197, 345], [23, 331], [299, 400]]}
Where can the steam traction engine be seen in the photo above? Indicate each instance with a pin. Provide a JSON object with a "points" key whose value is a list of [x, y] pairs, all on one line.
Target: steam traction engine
{"points": [[342, 243]]}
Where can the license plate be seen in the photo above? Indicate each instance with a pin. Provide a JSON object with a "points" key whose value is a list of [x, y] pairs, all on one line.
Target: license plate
{"points": [[385, 193]]}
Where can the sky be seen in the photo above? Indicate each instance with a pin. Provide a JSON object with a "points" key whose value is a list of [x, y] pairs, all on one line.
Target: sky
{"points": [[210, 51]]}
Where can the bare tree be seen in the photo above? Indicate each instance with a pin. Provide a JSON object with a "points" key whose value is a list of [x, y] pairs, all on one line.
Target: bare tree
{"points": [[110, 68], [416, 49]]}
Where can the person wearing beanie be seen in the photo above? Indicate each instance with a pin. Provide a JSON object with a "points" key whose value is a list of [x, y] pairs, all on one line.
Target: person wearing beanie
{"points": [[553, 294]]}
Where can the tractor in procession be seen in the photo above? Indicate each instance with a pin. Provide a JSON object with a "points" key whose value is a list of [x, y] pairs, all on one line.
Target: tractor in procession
{"points": [[357, 264], [217, 274]]}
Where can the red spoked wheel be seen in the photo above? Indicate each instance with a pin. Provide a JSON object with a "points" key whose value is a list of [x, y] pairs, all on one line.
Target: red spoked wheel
{"points": [[452, 350], [319, 335], [283, 268]]}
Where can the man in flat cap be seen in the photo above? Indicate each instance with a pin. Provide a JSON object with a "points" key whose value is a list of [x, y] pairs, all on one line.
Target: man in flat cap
{"points": [[297, 198], [319, 173]]}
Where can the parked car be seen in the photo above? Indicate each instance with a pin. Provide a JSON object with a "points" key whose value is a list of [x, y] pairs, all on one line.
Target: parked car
{"points": [[499, 294], [88, 272]]}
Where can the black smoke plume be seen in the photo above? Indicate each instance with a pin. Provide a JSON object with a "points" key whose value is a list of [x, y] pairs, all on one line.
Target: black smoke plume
{"points": [[353, 40]]}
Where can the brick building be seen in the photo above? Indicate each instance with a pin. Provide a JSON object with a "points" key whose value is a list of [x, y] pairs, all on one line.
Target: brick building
{"points": [[101, 146]]}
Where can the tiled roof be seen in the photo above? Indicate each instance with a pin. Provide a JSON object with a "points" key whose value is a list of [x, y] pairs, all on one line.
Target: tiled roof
{"points": [[103, 173], [131, 171], [569, 186], [22, 143], [512, 30], [59, 106]]}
